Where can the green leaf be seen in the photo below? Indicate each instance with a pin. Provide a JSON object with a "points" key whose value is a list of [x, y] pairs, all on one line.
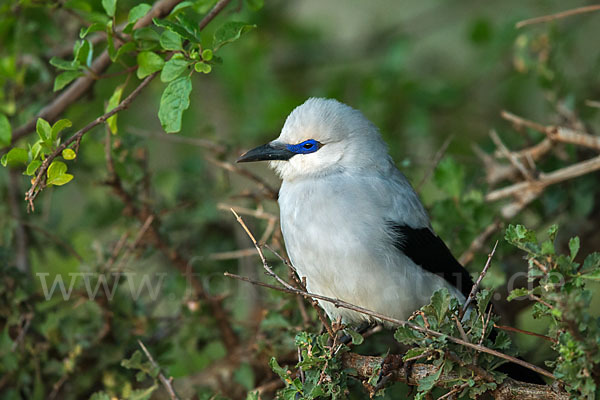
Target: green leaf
{"points": [[43, 129], [126, 48], [59, 126], [280, 371], [15, 157], [146, 33], [414, 352], [427, 383], [440, 300], [142, 394], [357, 338], [202, 67], [406, 335], [114, 101], [32, 167], [173, 68], [149, 63], [84, 53], [207, 54], [69, 154], [65, 78], [518, 293], [230, 32], [138, 12], [5, 131], [173, 102], [592, 261], [56, 169], [95, 27], [574, 247], [64, 64], [57, 174], [170, 41], [176, 28], [110, 7]]}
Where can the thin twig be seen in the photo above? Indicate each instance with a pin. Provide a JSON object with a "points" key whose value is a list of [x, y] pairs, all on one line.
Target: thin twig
{"points": [[556, 16], [167, 383], [517, 330], [475, 287], [342, 304], [41, 173]]}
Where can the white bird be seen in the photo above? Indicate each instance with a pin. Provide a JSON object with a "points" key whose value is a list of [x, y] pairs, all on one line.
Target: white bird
{"points": [[351, 222]]}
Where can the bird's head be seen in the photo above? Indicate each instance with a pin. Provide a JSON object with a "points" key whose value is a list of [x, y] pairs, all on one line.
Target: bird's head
{"points": [[320, 137]]}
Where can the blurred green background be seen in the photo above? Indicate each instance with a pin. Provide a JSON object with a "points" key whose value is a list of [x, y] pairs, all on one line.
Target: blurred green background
{"points": [[422, 71]]}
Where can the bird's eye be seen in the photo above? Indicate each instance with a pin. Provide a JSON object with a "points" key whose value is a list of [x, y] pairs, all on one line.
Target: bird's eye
{"points": [[306, 147]]}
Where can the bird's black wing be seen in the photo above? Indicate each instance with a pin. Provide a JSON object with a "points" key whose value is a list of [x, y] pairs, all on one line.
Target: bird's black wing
{"points": [[428, 251]]}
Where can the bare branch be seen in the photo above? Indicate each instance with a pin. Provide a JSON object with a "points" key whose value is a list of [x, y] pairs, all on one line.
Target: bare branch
{"points": [[167, 383], [475, 287], [556, 16]]}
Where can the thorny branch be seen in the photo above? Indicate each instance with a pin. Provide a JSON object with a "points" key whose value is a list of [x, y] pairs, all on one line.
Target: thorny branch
{"points": [[286, 287], [167, 383], [563, 14]]}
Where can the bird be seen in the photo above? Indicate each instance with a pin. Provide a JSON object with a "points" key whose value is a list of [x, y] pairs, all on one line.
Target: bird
{"points": [[352, 224]]}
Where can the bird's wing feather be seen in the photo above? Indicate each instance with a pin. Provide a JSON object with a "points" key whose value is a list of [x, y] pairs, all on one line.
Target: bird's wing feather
{"points": [[427, 250]]}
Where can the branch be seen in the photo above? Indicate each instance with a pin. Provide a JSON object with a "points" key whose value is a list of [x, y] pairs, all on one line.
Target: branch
{"points": [[475, 287], [559, 15], [364, 367], [32, 192], [52, 111], [342, 304], [167, 383]]}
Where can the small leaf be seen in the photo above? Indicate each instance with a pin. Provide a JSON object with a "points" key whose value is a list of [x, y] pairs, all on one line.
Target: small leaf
{"points": [[230, 32], [173, 102], [5, 131], [59, 126], [202, 67], [15, 157], [414, 352], [574, 247], [114, 101], [207, 54], [170, 41], [427, 383], [69, 154], [357, 338], [32, 167], [520, 292], [95, 27], [138, 12], [64, 64], [176, 28], [65, 78], [56, 169], [173, 68], [592, 261], [149, 63], [84, 52], [110, 7], [43, 129]]}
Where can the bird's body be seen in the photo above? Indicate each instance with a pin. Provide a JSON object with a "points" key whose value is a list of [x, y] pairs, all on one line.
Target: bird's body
{"points": [[351, 222], [337, 234]]}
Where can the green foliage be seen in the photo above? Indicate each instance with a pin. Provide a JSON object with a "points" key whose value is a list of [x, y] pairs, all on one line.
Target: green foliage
{"points": [[418, 89], [321, 366], [563, 298]]}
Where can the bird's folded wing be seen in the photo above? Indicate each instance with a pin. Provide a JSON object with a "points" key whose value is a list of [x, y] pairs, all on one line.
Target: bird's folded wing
{"points": [[428, 251]]}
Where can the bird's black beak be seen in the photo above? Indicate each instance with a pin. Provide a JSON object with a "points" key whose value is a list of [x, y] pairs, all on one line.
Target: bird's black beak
{"points": [[269, 151]]}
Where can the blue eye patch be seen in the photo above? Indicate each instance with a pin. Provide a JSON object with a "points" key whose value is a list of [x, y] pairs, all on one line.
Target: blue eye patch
{"points": [[306, 147]]}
